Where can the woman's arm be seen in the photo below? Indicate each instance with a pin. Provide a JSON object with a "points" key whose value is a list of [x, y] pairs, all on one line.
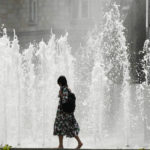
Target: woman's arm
{"points": [[60, 94], [64, 95]]}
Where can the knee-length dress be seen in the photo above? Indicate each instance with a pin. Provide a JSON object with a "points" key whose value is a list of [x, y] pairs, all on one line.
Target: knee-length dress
{"points": [[65, 124]]}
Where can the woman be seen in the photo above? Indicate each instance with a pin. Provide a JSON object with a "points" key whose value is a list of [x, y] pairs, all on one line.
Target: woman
{"points": [[65, 124]]}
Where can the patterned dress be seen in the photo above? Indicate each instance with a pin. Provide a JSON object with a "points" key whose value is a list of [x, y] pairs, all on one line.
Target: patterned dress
{"points": [[65, 124]]}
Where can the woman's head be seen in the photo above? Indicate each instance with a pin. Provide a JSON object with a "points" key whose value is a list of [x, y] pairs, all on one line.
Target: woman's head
{"points": [[62, 81]]}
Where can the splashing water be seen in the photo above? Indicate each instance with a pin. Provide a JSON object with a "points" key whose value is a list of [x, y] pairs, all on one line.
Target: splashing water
{"points": [[115, 105], [29, 89], [112, 112]]}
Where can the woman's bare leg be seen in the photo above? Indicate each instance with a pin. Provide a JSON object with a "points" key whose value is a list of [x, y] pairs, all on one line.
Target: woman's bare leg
{"points": [[79, 142], [60, 141]]}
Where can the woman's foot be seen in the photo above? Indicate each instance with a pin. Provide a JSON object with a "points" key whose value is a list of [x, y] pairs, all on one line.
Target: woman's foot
{"points": [[79, 146], [59, 147]]}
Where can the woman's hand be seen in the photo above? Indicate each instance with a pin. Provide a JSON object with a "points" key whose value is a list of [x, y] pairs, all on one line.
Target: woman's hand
{"points": [[60, 94]]}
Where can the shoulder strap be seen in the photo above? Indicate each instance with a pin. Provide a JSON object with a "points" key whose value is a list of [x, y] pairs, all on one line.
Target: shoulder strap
{"points": [[69, 90]]}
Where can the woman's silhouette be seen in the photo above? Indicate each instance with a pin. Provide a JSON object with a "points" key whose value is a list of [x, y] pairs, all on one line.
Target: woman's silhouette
{"points": [[65, 123]]}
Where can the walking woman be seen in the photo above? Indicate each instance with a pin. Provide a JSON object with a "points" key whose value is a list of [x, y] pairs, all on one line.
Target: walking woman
{"points": [[65, 123]]}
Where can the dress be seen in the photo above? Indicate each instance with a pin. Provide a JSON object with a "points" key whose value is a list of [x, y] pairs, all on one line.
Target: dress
{"points": [[65, 124]]}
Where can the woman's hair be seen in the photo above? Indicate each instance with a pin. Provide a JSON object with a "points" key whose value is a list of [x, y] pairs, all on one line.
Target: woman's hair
{"points": [[62, 80]]}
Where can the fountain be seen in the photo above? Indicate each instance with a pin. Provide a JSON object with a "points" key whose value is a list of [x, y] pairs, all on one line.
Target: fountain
{"points": [[115, 105], [29, 89], [110, 71], [112, 111]]}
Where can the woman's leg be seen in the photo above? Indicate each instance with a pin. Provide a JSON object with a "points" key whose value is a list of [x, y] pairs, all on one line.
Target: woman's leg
{"points": [[79, 142], [60, 141]]}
